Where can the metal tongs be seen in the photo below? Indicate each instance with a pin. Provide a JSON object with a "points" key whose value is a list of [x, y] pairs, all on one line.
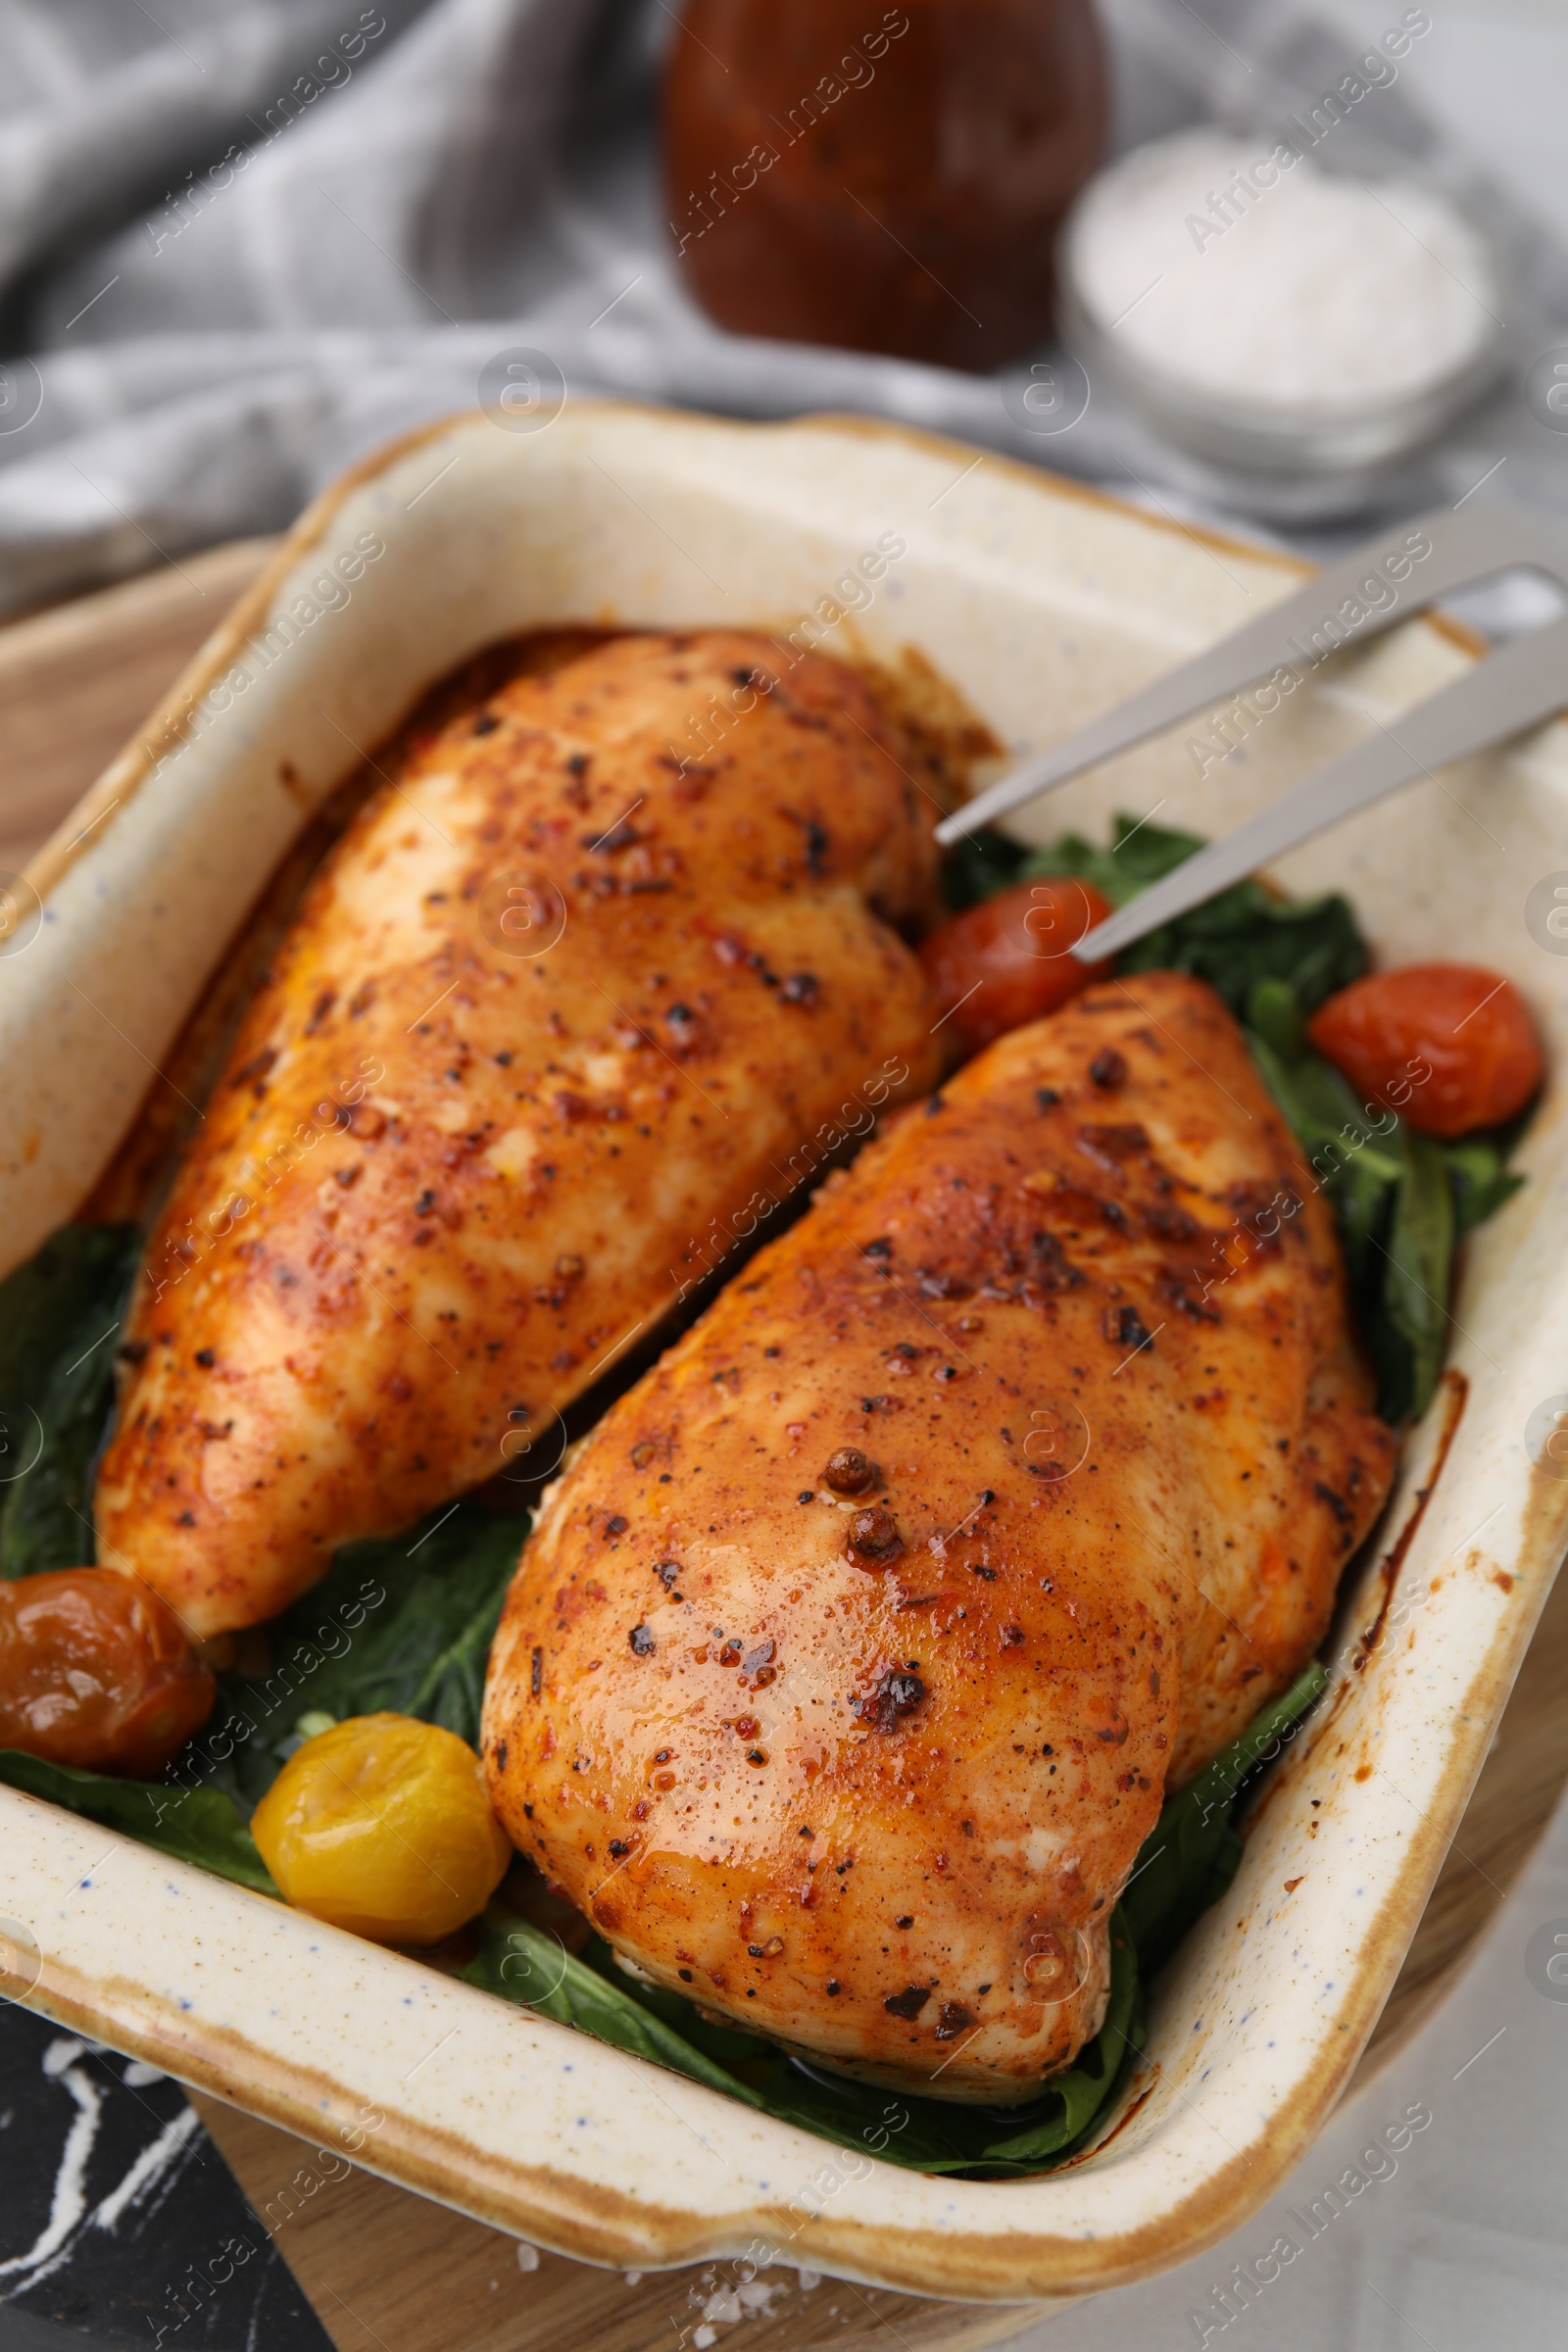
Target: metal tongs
{"points": [[1518, 686]]}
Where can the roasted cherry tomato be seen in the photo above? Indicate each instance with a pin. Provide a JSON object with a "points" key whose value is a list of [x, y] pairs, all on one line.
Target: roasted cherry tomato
{"points": [[1008, 959], [382, 1826], [1449, 1046], [95, 1671]]}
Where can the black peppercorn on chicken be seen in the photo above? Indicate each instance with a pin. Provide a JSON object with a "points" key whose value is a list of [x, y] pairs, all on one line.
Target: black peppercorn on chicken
{"points": [[560, 1017], [853, 1656]]}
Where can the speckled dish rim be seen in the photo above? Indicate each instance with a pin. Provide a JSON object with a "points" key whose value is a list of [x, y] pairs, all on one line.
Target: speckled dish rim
{"points": [[1043, 602]]}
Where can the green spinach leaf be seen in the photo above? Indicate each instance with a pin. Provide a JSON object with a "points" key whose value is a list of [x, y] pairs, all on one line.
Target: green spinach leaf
{"points": [[1479, 1174], [978, 866], [1194, 1852], [526, 1964], [60, 1318], [1359, 1163], [1141, 854], [423, 1650], [193, 1825], [731, 2046], [399, 1623], [1419, 1256], [1392, 1193], [81, 1270], [1243, 936]]}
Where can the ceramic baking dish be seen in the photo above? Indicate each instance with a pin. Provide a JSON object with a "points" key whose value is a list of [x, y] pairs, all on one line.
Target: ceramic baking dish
{"points": [[1042, 603]]}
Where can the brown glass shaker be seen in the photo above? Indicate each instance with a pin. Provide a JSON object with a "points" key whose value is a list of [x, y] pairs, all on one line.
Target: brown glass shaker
{"points": [[888, 180]]}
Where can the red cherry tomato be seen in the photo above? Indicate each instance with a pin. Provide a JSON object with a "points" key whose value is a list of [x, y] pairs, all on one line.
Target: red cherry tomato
{"points": [[1009, 960], [95, 1671], [1449, 1046]]}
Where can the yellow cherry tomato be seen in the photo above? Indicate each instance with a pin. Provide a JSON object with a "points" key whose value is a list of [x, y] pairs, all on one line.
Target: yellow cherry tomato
{"points": [[382, 1826]]}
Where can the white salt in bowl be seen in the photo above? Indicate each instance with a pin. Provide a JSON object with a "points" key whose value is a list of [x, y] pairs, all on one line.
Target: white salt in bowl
{"points": [[1279, 307]]}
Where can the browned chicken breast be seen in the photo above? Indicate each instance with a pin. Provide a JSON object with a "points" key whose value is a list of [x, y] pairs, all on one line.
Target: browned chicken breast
{"points": [[561, 1016], [853, 1653]]}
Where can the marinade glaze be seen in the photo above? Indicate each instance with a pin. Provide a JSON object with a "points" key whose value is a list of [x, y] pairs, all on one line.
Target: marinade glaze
{"points": [[560, 1007], [851, 1657]]}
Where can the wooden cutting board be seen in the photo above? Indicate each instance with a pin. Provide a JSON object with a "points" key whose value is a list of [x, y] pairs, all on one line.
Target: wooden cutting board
{"points": [[384, 2267]]}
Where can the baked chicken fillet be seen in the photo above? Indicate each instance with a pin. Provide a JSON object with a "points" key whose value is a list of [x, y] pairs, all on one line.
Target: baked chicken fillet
{"points": [[853, 1653], [558, 1019]]}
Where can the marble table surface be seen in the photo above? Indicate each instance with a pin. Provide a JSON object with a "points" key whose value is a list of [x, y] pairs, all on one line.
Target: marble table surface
{"points": [[121, 2225]]}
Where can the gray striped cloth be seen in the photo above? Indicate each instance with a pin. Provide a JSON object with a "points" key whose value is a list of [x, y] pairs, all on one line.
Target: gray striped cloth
{"points": [[241, 241]]}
